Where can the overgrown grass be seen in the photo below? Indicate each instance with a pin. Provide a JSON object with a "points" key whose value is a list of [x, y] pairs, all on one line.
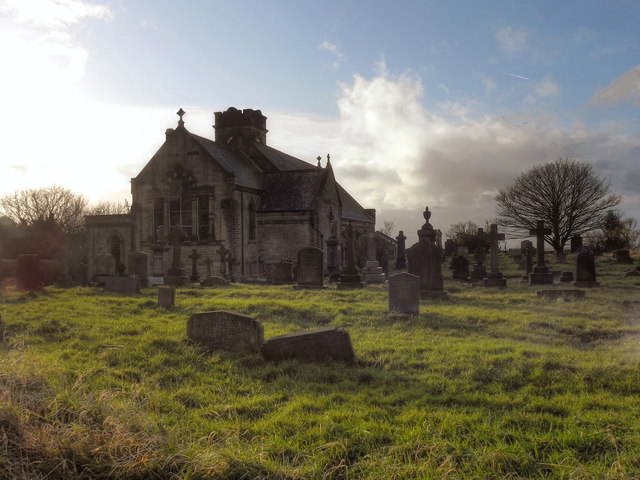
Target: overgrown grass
{"points": [[487, 384]]}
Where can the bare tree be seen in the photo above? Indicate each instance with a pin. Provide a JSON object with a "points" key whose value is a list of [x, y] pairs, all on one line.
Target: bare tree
{"points": [[387, 227], [47, 204], [462, 232], [109, 208], [567, 195]]}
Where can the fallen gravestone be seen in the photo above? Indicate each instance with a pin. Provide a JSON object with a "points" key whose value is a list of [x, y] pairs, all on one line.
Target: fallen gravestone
{"points": [[214, 281], [225, 330], [166, 297], [122, 284], [311, 346], [404, 293], [554, 294]]}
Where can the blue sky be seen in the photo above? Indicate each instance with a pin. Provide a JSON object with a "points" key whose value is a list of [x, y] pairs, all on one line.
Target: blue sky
{"points": [[418, 102]]}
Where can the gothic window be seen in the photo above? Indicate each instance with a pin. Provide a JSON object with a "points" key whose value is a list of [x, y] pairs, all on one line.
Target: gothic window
{"points": [[158, 217], [252, 221], [180, 197], [205, 226]]}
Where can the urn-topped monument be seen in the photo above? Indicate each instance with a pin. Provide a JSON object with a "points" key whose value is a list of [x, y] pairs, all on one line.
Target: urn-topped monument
{"points": [[425, 260]]}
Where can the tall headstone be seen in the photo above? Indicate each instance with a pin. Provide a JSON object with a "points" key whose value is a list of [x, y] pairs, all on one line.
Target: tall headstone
{"points": [[540, 274], [401, 256], [334, 265], [449, 247], [425, 260], [194, 256], [350, 278], [309, 268], [404, 294], [495, 277], [139, 266], [479, 271], [29, 274], [373, 272], [175, 275], [585, 270]]}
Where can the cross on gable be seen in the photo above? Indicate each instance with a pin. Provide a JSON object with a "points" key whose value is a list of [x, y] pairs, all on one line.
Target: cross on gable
{"points": [[180, 113]]}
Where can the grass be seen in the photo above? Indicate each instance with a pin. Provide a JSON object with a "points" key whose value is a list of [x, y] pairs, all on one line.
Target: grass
{"points": [[491, 384]]}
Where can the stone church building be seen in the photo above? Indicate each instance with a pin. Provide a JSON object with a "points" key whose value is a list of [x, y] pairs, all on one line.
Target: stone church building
{"points": [[239, 206]]}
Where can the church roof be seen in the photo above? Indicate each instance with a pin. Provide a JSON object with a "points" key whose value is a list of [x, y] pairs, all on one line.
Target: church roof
{"points": [[292, 190], [282, 161], [351, 209]]}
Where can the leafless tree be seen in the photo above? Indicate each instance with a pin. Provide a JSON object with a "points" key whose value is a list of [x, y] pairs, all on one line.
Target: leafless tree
{"points": [[47, 204], [387, 227], [109, 208], [567, 195]]}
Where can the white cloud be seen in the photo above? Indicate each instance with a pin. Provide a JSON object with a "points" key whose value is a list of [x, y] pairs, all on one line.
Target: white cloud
{"points": [[334, 50], [624, 89], [512, 40]]}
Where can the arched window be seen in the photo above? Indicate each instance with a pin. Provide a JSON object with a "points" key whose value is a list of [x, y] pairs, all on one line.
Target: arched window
{"points": [[252, 221], [180, 197]]}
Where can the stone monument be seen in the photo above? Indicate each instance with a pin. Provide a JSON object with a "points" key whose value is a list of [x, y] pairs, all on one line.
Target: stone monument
{"points": [[350, 278], [495, 278], [425, 260], [175, 275], [585, 270], [373, 272], [540, 274], [401, 256], [479, 271]]}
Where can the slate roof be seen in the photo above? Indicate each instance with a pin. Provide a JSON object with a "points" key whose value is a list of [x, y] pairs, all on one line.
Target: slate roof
{"points": [[291, 190], [281, 161]]}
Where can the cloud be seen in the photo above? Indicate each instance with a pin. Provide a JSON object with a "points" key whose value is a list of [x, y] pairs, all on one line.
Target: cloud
{"points": [[623, 90], [511, 40], [333, 49]]}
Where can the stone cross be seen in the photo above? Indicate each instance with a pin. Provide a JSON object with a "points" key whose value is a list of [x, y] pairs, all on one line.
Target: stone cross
{"points": [[479, 240], [224, 253], [177, 237], [401, 259], [540, 232], [371, 247], [194, 264], [494, 238], [208, 262]]}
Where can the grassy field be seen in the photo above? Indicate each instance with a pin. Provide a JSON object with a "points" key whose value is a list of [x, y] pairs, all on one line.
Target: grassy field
{"points": [[489, 384]]}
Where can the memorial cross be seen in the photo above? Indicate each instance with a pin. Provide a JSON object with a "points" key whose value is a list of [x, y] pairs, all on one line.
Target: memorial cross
{"points": [[540, 232]]}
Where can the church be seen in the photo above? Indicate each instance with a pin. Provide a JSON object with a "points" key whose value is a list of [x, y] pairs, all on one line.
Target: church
{"points": [[237, 207]]}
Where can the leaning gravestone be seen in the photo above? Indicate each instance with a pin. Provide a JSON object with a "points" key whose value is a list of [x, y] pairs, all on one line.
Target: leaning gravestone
{"points": [[139, 265], [404, 294], [122, 285], [585, 270], [226, 331], [312, 346], [166, 297], [29, 274], [309, 269]]}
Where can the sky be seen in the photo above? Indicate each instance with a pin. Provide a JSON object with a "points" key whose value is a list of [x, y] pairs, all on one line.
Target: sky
{"points": [[419, 103]]}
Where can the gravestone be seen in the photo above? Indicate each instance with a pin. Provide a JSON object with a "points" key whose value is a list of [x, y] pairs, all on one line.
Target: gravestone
{"points": [[515, 254], [166, 297], [175, 275], [214, 281], [122, 284], [334, 264], [401, 256], [566, 276], [350, 277], [29, 274], [372, 272], [561, 294], [576, 243], [540, 274], [139, 266], [479, 271], [194, 256], [159, 260], [404, 293], [449, 247], [460, 267], [224, 257], [104, 265], [622, 256], [425, 260], [495, 277], [282, 272], [312, 346], [585, 270], [226, 331], [309, 268], [526, 261], [462, 250]]}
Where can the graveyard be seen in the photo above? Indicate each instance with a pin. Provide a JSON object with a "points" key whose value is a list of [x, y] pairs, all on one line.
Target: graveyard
{"points": [[486, 382]]}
